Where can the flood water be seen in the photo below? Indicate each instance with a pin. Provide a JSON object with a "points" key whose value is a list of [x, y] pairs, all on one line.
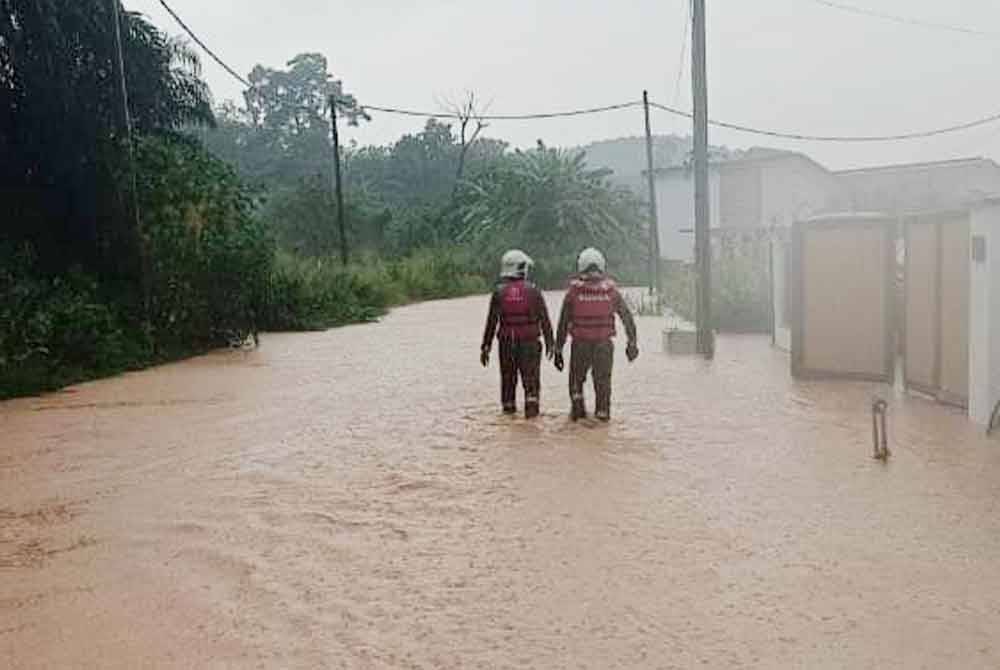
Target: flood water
{"points": [[354, 499]]}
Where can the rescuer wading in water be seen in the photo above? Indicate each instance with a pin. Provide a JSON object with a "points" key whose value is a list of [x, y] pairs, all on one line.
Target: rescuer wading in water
{"points": [[517, 317], [588, 314]]}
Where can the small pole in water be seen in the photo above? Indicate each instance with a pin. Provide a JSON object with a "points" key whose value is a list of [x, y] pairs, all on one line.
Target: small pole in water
{"points": [[880, 435], [993, 420]]}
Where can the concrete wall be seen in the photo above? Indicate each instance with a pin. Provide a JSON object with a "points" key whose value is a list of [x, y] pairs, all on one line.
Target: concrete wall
{"points": [[675, 211], [841, 328], [796, 189], [793, 189], [780, 250], [741, 194], [955, 278], [984, 317], [921, 307]]}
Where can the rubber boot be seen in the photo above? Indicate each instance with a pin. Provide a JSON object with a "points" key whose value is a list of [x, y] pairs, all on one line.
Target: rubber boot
{"points": [[577, 411], [602, 407], [531, 410], [510, 409]]}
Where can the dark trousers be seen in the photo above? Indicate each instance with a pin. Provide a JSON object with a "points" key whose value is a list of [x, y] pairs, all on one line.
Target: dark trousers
{"points": [[522, 359], [598, 358]]}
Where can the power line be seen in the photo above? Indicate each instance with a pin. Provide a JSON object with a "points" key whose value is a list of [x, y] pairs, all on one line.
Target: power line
{"points": [[406, 112], [862, 11], [839, 138], [683, 58], [672, 110], [198, 41], [506, 117]]}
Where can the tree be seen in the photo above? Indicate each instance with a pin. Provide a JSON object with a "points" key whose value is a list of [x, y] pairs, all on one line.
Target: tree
{"points": [[419, 170], [548, 200], [283, 134], [422, 166], [466, 113], [301, 218], [295, 100], [60, 134]]}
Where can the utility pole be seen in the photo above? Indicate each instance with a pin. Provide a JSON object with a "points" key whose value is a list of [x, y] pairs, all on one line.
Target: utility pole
{"points": [[337, 185], [702, 229], [654, 225], [126, 120]]}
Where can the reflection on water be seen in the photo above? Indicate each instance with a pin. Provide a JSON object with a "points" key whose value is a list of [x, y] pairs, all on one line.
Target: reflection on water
{"points": [[355, 499]]}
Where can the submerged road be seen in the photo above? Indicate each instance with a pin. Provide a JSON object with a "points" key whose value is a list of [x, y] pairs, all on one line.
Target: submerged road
{"points": [[354, 499]]}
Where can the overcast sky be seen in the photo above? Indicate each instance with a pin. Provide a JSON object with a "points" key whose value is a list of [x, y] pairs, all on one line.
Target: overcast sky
{"points": [[790, 65]]}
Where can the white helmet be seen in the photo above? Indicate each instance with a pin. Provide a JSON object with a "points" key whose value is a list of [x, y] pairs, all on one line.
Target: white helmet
{"points": [[515, 264], [591, 257]]}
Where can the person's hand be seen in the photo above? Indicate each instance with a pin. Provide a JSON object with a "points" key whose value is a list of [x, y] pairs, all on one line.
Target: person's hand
{"points": [[549, 351], [484, 356], [559, 362], [632, 352]]}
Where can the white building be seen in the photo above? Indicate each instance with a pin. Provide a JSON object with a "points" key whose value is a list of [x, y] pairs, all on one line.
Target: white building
{"points": [[984, 312], [771, 189], [942, 313]]}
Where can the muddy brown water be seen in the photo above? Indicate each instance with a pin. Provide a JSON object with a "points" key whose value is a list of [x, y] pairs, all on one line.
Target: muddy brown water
{"points": [[353, 499]]}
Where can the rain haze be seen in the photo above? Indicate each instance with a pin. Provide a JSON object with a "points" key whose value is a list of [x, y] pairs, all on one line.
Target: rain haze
{"points": [[790, 65], [279, 391]]}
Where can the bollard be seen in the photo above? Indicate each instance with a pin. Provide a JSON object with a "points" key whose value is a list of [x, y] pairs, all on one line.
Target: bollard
{"points": [[880, 434]]}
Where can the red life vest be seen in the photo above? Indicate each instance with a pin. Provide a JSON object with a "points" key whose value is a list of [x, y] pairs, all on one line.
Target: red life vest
{"points": [[593, 305], [518, 320]]}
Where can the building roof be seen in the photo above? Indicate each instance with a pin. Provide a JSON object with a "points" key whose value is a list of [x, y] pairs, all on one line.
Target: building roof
{"points": [[753, 156], [848, 217], [756, 156], [917, 167]]}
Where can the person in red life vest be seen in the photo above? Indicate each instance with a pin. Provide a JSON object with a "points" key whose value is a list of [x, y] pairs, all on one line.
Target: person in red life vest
{"points": [[517, 317], [588, 314]]}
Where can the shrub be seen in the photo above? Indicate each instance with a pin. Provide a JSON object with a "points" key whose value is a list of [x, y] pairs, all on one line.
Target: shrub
{"points": [[740, 292], [321, 293], [55, 331], [210, 257]]}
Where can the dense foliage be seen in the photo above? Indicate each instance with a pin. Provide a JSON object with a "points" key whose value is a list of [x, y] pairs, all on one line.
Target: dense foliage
{"points": [[549, 201], [60, 125], [316, 293], [94, 280], [213, 224]]}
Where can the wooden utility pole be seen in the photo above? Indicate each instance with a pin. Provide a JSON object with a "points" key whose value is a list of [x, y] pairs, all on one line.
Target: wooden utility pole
{"points": [[654, 226], [337, 185], [702, 229]]}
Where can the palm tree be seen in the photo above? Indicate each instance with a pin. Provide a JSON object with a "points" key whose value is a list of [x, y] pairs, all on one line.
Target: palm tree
{"points": [[551, 201], [60, 110]]}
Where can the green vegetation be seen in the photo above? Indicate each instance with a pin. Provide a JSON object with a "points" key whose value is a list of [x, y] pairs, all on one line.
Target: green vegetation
{"points": [[741, 299], [214, 224], [544, 198], [318, 293]]}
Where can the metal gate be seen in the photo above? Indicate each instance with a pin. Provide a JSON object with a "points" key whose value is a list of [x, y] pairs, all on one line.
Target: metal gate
{"points": [[936, 305], [843, 279]]}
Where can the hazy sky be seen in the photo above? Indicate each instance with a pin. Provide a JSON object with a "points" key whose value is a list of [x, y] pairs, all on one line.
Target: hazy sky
{"points": [[791, 65]]}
